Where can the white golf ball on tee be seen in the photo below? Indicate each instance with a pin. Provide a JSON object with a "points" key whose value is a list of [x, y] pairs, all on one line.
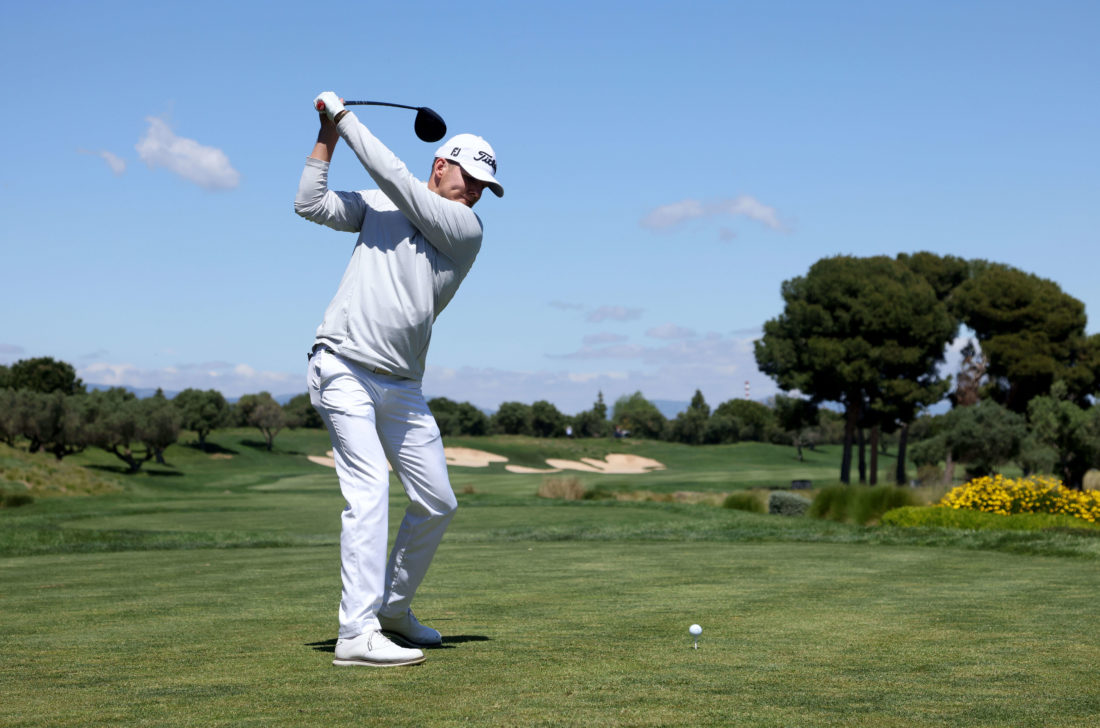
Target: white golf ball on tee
{"points": [[695, 630]]}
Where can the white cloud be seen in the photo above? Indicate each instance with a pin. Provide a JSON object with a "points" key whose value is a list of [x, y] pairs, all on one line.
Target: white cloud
{"points": [[115, 162], [604, 338], [717, 366], [671, 215], [749, 207], [670, 331], [11, 352], [614, 313], [612, 351], [232, 380], [208, 167]]}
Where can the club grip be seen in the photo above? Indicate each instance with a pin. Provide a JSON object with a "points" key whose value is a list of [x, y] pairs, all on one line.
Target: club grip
{"points": [[320, 105]]}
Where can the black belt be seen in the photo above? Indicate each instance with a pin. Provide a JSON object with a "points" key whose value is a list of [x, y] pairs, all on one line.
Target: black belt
{"points": [[373, 370], [316, 348]]}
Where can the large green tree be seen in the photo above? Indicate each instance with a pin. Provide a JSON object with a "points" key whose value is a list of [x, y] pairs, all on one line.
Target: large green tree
{"points": [[44, 374], [512, 418], [592, 422], [849, 327], [51, 421], [264, 413], [547, 420], [754, 420], [158, 424], [637, 415], [1072, 432], [135, 431], [202, 411], [795, 416], [1031, 334], [690, 426], [983, 436], [458, 418]]}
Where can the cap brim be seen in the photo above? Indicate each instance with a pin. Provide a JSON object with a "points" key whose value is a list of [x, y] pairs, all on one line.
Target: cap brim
{"points": [[483, 176]]}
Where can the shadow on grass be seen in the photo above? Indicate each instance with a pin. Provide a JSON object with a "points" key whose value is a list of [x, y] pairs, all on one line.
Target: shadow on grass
{"points": [[123, 470], [212, 448], [262, 446], [449, 642]]}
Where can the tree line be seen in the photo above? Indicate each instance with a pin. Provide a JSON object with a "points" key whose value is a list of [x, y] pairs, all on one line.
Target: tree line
{"points": [[44, 404], [865, 335]]}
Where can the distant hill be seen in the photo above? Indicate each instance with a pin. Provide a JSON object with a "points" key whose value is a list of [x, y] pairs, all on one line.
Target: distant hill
{"points": [[143, 392]]}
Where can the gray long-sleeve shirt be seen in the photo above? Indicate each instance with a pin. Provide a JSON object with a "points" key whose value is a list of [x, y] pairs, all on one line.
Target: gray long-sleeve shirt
{"points": [[413, 251]]}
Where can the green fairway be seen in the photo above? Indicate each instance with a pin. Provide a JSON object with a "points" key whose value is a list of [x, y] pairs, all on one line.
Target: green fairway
{"points": [[209, 599]]}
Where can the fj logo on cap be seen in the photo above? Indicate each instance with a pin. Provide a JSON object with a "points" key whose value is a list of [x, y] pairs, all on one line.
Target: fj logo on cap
{"points": [[456, 151]]}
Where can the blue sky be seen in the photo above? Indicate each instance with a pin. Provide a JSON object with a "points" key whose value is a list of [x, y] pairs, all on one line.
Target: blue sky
{"points": [[666, 166]]}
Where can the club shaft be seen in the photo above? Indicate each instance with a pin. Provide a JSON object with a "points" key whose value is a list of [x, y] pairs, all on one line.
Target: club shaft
{"points": [[380, 103]]}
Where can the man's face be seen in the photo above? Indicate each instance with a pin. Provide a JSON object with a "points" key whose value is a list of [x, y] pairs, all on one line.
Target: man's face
{"points": [[453, 183]]}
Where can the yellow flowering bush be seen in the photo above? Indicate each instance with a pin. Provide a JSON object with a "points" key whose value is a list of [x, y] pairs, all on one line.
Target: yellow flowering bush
{"points": [[1036, 494]]}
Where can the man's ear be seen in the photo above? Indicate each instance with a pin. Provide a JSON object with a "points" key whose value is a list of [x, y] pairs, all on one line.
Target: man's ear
{"points": [[438, 166]]}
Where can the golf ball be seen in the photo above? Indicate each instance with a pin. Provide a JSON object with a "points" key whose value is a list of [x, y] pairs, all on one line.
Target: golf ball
{"points": [[695, 629]]}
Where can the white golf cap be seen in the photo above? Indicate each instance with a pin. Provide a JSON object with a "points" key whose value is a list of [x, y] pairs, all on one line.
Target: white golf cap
{"points": [[475, 156]]}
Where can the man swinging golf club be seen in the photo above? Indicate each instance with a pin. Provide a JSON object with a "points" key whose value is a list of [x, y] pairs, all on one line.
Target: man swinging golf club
{"points": [[416, 242]]}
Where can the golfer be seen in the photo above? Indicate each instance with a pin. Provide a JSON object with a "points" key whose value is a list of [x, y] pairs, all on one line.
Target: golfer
{"points": [[416, 242]]}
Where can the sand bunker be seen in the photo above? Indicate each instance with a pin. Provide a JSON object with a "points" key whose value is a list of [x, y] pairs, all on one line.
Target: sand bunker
{"points": [[523, 469], [470, 458], [465, 457], [461, 456], [328, 461], [325, 459], [613, 464]]}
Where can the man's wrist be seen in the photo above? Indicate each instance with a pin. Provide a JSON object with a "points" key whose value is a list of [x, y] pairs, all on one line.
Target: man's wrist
{"points": [[339, 115]]}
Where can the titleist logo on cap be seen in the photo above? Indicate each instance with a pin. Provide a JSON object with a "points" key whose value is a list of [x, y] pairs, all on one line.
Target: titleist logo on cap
{"points": [[488, 159], [478, 157]]}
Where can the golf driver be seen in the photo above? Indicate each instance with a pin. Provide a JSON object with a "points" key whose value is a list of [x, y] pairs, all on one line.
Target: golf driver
{"points": [[429, 126]]}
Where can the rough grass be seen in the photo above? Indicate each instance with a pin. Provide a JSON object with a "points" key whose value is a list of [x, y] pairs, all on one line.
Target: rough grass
{"points": [[859, 504], [565, 488]]}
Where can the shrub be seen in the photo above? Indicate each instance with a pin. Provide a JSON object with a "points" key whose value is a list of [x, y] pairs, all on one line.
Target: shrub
{"points": [[783, 503], [745, 500], [569, 488], [854, 504], [929, 474], [832, 502], [14, 500], [1040, 494], [944, 517]]}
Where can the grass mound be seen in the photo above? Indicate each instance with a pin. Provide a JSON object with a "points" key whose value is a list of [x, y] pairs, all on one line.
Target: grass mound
{"points": [[41, 475]]}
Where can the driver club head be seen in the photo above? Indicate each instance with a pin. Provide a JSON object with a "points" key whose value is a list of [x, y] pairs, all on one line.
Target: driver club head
{"points": [[429, 126]]}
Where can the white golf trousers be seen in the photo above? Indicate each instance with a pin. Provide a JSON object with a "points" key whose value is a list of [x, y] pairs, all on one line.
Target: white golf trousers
{"points": [[371, 419]]}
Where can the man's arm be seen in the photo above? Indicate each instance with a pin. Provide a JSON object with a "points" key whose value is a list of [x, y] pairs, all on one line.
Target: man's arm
{"points": [[451, 227], [327, 138], [314, 201]]}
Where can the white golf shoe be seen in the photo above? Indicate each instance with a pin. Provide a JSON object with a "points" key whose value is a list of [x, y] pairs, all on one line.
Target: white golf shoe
{"points": [[408, 630], [374, 650]]}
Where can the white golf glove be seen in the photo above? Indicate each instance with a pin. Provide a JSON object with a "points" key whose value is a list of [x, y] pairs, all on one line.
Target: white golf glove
{"points": [[328, 104]]}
